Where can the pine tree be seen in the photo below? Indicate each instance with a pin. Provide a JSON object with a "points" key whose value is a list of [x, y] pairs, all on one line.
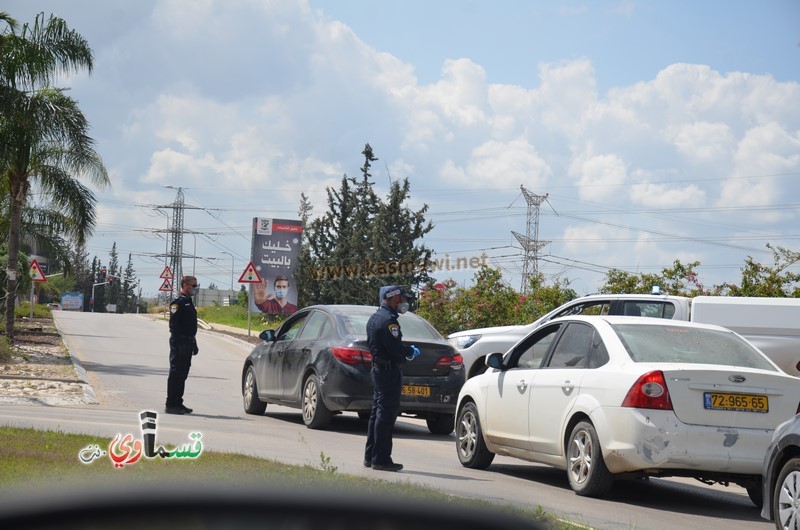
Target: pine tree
{"points": [[113, 288], [362, 242], [129, 285], [98, 302]]}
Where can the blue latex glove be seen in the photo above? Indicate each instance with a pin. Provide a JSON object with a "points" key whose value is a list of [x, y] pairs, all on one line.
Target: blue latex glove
{"points": [[414, 353]]}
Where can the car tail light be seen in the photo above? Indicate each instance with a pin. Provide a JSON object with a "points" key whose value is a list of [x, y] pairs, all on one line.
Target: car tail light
{"points": [[352, 356], [649, 392], [456, 362]]}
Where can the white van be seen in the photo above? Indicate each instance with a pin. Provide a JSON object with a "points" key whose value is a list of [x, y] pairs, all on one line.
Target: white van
{"points": [[770, 324]]}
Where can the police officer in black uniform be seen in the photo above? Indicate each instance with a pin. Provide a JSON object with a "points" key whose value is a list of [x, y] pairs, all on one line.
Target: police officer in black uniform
{"points": [[385, 342], [182, 344]]}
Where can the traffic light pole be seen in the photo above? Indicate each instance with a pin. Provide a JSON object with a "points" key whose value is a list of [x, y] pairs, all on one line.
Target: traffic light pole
{"points": [[108, 282], [93, 286]]}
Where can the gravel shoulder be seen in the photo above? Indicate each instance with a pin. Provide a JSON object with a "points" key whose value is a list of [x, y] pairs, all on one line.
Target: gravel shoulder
{"points": [[41, 369]]}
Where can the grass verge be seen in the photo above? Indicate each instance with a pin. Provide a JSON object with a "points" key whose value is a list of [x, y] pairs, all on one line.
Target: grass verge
{"points": [[31, 458]]}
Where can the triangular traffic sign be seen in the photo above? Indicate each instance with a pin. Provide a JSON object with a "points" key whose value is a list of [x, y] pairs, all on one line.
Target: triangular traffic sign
{"points": [[166, 286], [37, 274], [166, 274], [250, 274]]}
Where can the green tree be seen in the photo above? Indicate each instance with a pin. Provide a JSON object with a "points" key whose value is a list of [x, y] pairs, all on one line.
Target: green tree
{"points": [[489, 302], [774, 280], [127, 297], [44, 140], [82, 273], [113, 289], [305, 282], [542, 299], [361, 242], [99, 300], [679, 280]]}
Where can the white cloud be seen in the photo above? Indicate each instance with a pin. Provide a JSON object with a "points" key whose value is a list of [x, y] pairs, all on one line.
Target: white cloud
{"points": [[704, 143], [599, 177], [660, 196], [503, 164]]}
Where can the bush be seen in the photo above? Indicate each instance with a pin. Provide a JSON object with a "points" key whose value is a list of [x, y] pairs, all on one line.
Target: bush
{"points": [[6, 350], [23, 310]]}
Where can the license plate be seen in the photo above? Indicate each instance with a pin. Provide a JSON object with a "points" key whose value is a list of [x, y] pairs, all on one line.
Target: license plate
{"points": [[412, 390], [741, 402]]}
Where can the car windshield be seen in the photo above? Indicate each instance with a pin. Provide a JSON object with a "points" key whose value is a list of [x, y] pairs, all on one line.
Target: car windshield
{"points": [[679, 344], [414, 328]]}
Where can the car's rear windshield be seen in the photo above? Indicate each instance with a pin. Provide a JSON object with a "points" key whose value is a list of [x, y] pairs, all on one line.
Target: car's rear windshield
{"points": [[413, 327], [678, 344]]}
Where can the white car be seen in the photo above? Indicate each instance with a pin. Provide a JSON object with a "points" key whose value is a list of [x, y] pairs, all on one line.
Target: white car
{"points": [[607, 397], [475, 344]]}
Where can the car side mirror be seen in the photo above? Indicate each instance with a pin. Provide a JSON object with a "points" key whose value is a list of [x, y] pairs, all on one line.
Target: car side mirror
{"points": [[495, 360], [267, 335]]}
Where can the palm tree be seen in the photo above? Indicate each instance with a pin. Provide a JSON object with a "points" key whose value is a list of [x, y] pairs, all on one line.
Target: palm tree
{"points": [[44, 141]]}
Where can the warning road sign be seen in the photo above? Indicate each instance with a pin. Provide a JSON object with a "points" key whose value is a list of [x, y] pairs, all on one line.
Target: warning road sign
{"points": [[166, 286], [250, 274], [37, 274], [166, 274]]}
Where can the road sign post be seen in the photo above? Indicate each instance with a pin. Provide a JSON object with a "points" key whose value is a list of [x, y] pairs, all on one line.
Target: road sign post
{"points": [[250, 276]]}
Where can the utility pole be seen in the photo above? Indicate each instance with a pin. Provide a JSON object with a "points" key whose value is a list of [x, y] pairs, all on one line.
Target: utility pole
{"points": [[530, 241]]}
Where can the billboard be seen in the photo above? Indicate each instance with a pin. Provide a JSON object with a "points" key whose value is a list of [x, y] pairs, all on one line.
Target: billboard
{"points": [[276, 248], [72, 301]]}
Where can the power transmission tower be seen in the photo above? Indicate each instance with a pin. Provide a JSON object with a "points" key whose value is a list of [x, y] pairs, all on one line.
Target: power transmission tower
{"points": [[175, 232], [530, 241], [176, 249]]}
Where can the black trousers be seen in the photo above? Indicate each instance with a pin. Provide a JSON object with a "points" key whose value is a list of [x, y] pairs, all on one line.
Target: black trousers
{"points": [[180, 360], [388, 383]]}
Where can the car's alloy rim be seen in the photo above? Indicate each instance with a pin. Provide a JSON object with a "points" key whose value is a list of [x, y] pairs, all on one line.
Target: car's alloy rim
{"points": [[580, 457], [248, 388], [467, 434], [310, 401], [789, 501]]}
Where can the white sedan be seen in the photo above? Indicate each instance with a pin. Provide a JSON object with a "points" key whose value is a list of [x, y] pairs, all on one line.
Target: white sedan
{"points": [[608, 397]]}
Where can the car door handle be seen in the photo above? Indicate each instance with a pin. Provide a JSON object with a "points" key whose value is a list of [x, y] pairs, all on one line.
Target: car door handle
{"points": [[567, 387], [522, 386], [306, 350]]}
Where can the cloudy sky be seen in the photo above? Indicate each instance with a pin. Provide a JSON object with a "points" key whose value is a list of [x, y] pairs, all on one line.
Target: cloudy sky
{"points": [[658, 130]]}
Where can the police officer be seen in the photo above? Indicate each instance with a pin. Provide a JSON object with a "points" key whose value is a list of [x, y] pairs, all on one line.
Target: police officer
{"points": [[182, 344], [385, 342]]}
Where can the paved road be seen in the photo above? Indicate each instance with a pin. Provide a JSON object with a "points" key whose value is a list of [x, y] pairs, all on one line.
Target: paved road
{"points": [[125, 357]]}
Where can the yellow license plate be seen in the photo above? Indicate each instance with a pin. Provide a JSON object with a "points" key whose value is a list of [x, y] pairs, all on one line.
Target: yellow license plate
{"points": [[411, 390], [742, 402]]}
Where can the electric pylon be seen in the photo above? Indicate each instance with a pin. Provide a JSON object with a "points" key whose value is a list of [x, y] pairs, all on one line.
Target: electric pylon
{"points": [[530, 241]]}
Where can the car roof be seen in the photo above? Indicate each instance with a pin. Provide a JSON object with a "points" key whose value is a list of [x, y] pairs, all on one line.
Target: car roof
{"points": [[639, 321]]}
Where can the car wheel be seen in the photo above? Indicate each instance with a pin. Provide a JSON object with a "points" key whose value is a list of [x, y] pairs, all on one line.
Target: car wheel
{"points": [[252, 405], [470, 445], [786, 499], [441, 423], [315, 414], [586, 469]]}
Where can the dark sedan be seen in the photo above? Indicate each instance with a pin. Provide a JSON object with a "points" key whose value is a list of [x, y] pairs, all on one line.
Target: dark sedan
{"points": [[318, 361]]}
